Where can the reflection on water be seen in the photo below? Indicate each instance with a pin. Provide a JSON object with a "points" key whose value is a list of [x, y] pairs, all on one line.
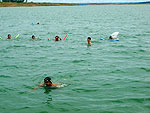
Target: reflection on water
{"points": [[47, 90]]}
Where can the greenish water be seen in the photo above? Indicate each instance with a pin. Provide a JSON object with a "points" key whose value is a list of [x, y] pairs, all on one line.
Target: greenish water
{"points": [[107, 77]]}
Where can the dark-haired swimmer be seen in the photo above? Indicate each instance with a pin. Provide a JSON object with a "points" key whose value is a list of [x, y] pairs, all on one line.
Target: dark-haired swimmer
{"points": [[89, 41], [57, 38], [9, 36], [33, 37], [47, 83], [111, 38]]}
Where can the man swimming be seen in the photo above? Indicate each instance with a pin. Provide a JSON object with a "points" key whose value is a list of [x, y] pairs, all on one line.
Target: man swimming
{"points": [[9, 36], [47, 83], [89, 41], [57, 38], [111, 38], [33, 37]]}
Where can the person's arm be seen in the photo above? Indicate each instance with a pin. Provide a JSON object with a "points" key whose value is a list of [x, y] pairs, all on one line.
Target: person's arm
{"points": [[40, 85], [55, 84], [90, 43]]}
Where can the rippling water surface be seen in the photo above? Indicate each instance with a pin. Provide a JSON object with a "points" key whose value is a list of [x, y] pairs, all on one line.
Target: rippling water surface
{"points": [[111, 77]]}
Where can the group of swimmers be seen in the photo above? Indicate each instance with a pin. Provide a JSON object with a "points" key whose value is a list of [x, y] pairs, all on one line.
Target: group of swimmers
{"points": [[90, 43], [57, 38], [47, 81]]}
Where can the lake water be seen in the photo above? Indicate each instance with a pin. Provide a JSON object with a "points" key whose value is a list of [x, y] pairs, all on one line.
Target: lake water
{"points": [[107, 77]]}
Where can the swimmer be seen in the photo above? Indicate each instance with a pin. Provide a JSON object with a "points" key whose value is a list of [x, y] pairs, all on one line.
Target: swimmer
{"points": [[89, 41], [111, 38], [38, 23], [47, 83], [9, 36], [33, 37], [57, 38]]}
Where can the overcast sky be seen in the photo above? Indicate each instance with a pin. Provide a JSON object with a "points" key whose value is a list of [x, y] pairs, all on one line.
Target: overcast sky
{"points": [[86, 1]]}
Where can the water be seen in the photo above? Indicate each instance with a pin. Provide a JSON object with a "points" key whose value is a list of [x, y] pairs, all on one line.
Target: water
{"points": [[107, 77]]}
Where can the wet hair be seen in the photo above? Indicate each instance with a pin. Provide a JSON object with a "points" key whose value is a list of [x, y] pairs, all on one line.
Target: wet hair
{"points": [[47, 79], [9, 36], [33, 36], [56, 38], [89, 38], [110, 37]]}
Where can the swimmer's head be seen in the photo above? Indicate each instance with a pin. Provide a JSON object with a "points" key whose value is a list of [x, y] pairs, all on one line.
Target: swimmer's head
{"points": [[33, 37], [110, 37], [9, 36], [47, 81], [56, 38], [89, 38]]}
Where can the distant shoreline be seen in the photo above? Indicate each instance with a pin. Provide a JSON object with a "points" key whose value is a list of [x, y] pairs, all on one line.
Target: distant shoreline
{"points": [[31, 4]]}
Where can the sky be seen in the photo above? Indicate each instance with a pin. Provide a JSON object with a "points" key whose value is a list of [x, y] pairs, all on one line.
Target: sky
{"points": [[86, 1]]}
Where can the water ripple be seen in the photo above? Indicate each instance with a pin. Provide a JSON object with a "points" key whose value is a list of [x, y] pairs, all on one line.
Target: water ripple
{"points": [[145, 69], [79, 90], [78, 61], [5, 76]]}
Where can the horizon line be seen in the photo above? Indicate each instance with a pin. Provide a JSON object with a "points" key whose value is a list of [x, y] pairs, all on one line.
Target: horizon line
{"points": [[85, 3]]}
